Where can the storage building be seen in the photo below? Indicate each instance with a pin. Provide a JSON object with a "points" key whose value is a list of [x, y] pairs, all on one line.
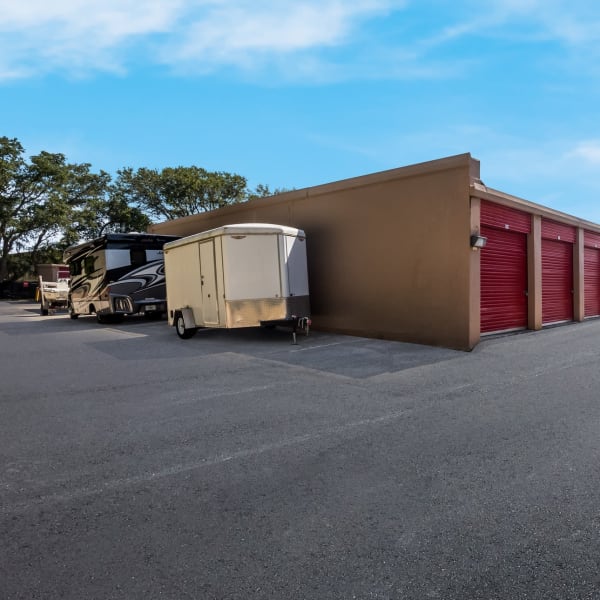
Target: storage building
{"points": [[395, 254]]}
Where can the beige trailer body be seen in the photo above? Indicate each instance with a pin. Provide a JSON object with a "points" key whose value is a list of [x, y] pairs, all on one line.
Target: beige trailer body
{"points": [[242, 275]]}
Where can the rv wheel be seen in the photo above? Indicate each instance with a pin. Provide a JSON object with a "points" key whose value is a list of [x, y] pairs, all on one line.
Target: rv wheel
{"points": [[71, 310], [181, 330]]}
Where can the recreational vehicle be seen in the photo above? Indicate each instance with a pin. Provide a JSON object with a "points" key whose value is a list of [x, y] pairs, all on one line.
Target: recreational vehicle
{"points": [[243, 275], [117, 274]]}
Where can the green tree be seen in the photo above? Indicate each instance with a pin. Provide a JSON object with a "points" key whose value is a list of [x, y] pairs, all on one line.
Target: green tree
{"points": [[180, 191], [263, 191], [111, 214], [11, 166], [47, 203], [39, 198]]}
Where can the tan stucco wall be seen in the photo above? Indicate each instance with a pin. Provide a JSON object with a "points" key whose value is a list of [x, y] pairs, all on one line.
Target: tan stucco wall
{"points": [[579, 277], [534, 272], [388, 253]]}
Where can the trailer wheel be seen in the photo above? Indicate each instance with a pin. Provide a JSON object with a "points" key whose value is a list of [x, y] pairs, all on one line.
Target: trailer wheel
{"points": [[183, 332]]}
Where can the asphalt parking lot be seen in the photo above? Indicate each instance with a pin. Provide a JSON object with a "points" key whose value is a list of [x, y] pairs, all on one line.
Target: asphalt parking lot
{"points": [[235, 465]]}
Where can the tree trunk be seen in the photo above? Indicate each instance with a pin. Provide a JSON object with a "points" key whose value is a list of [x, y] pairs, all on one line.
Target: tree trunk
{"points": [[3, 268], [4, 260]]}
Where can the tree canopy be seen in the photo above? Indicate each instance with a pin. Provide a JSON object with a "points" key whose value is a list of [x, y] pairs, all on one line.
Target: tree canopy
{"points": [[47, 203], [38, 198], [181, 191]]}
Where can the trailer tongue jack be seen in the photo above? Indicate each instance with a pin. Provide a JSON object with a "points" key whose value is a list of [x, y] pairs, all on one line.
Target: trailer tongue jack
{"points": [[296, 323]]}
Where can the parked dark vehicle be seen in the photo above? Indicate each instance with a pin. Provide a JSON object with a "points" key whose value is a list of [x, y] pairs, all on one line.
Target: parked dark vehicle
{"points": [[18, 290]]}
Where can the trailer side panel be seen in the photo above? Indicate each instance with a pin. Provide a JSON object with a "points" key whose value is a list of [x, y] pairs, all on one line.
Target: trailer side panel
{"points": [[184, 289]]}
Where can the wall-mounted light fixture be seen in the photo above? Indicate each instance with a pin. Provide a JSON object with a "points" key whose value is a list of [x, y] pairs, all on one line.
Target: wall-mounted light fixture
{"points": [[478, 241]]}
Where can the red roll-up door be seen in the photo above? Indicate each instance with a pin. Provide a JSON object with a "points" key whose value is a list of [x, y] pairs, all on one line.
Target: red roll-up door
{"points": [[592, 282], [557, 281], [503, 280], [503, 266]]}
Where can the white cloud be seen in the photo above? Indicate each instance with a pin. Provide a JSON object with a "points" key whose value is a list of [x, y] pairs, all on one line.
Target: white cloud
{"points": [[587, 151], [75, 35], [80, 35], [107, 19], [280, 27], [546, 171], [571, 23]]}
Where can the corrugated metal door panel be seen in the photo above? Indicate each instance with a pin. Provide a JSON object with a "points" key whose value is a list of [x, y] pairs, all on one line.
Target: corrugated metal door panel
{"points": [[503, 280], [503, 217], [591, 289], [554, 230], [591, 239], [557, 281]]}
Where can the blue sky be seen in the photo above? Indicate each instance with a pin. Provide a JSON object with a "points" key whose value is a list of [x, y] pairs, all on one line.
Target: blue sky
{"points": [[294, 94]]}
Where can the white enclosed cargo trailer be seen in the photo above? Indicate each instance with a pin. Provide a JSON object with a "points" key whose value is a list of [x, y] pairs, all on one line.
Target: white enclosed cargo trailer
{"points": [[244, 275]]}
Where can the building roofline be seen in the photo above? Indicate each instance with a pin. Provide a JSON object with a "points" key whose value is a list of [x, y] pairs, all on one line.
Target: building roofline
{"points": [[431, 166], [480, 190], [423, 168]]}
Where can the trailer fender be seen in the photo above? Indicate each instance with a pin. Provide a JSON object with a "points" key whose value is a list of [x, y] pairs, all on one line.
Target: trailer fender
{"points": [[184, 322]]}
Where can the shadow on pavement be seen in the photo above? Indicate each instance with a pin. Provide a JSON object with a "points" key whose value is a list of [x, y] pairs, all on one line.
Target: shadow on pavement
{"points": [[138, 338]]}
